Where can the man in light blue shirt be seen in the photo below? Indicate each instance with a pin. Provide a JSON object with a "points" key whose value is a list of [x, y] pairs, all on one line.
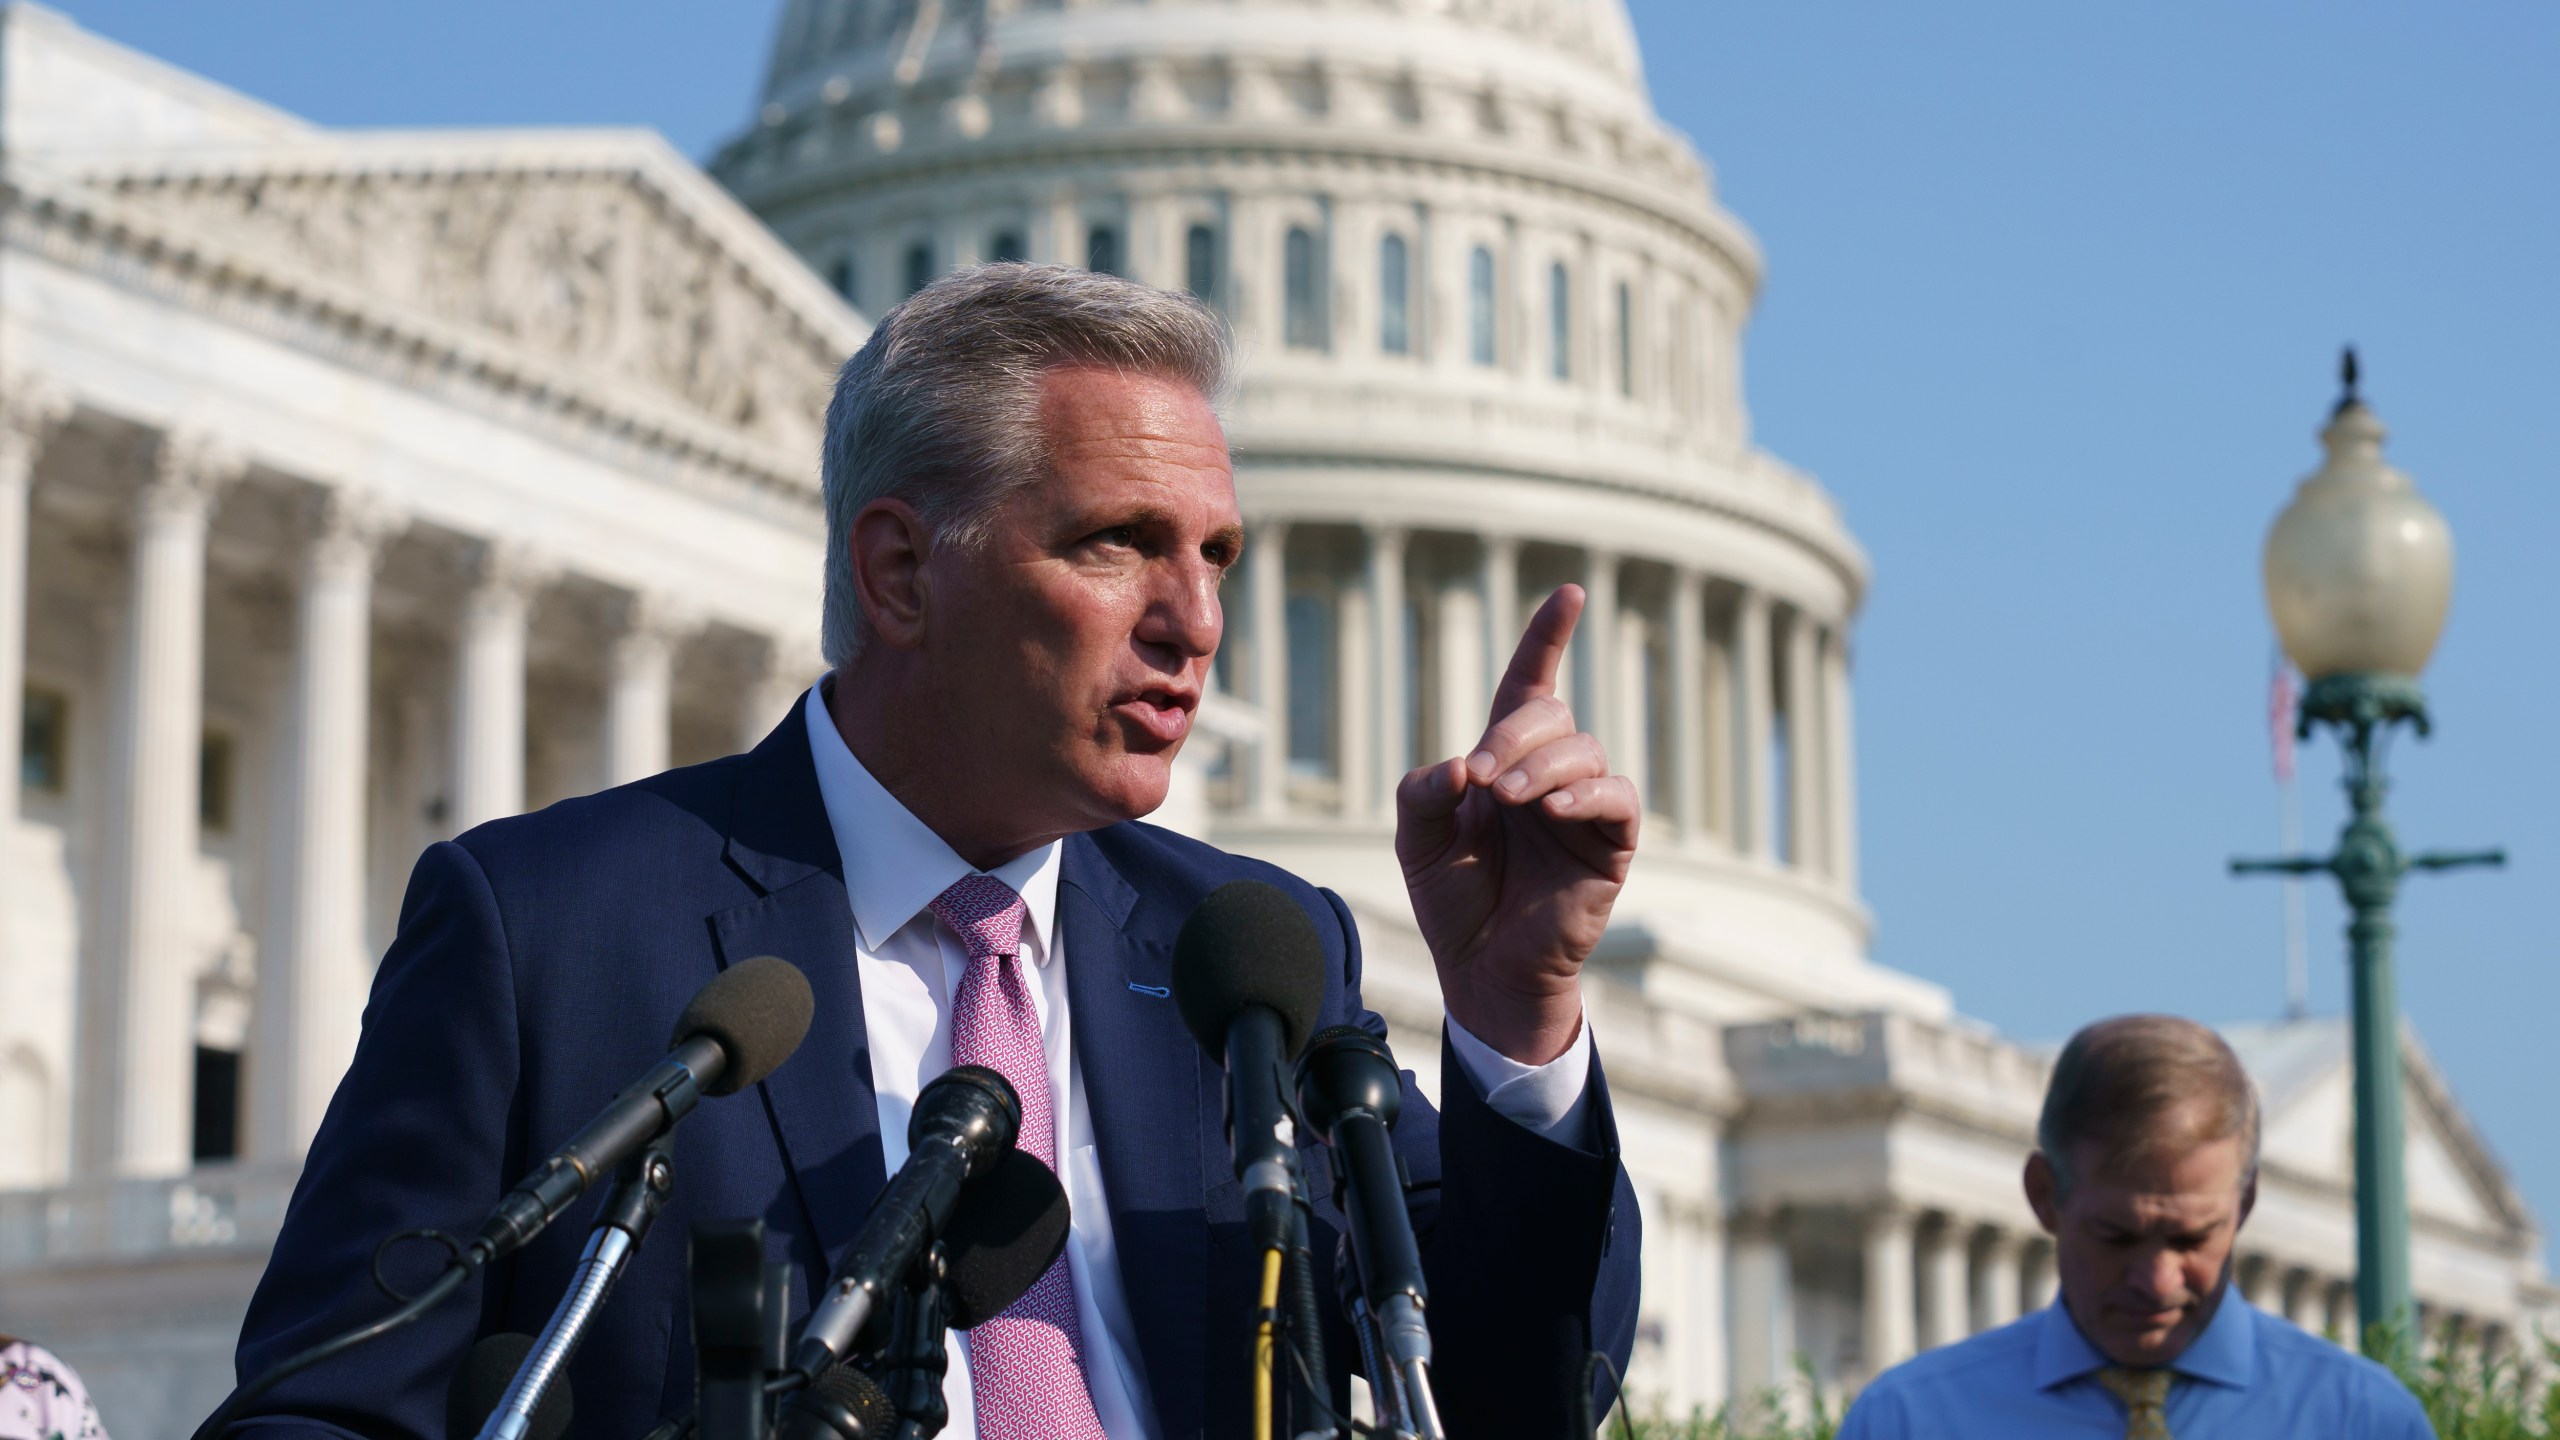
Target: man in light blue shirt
{"points": [[2146, 1168]]}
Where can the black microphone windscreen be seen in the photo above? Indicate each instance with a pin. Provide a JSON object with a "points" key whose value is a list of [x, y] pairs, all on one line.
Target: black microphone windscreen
{"points": [[482, 1382], [1009, 1228], [757, 1010], [1248, 944], [842, 1404]]}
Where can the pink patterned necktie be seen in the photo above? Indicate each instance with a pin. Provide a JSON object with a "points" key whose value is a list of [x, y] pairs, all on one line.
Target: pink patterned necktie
{"points": [[1026, 1364]]}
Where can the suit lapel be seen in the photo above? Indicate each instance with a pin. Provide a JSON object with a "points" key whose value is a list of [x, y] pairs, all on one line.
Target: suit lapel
{"points": [[1143, 1078], [823, 1108]]}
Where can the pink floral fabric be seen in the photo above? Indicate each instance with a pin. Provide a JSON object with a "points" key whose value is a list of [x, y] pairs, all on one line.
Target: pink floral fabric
{"points": [[41, 1398]]}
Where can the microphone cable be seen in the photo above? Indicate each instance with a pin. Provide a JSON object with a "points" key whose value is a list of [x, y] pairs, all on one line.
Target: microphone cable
{"points": [[1265, 1316], [448, 1280]]}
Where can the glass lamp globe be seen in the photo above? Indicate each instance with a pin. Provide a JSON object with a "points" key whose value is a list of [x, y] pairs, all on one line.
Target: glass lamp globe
{"points": [[2359, 567]]}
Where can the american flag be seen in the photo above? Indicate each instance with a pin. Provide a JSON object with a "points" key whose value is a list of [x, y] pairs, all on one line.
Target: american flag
{"points": [[2281, 696]]}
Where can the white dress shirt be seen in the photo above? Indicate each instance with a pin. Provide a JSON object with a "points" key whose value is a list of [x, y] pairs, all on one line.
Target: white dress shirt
{"points": [[910, 965]]}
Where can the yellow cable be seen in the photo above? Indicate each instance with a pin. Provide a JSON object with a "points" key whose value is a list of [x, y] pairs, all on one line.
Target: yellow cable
{"points": [[1262, 1345]]}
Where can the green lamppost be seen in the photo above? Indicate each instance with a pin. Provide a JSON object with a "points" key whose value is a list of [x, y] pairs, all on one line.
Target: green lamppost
{"points": [[2359, 570]]}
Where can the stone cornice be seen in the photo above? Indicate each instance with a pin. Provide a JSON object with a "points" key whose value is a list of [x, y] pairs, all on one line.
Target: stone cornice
{"points": [[79, 221], [1827, 542], [1572, 179]]}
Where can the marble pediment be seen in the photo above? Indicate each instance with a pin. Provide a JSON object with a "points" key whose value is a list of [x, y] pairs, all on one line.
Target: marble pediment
{"points": [[2305, 1073], [603, 258]]}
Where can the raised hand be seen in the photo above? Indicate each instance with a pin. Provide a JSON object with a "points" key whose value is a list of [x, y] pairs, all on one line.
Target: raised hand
{"points": [[1515, 852]]}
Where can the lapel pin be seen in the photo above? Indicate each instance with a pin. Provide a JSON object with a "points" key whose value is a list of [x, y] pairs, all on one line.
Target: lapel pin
{"points": [[1159, 991]]}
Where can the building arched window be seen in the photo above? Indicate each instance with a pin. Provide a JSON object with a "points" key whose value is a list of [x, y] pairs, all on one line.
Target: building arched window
{"points": [[1303, 289], [1200, 262], [1560, 321], [841, 275], [1102, 249], [919, 265], [1395, 296], [1007, 246], [1480, 306], [1313, 670], [1626, 340]]}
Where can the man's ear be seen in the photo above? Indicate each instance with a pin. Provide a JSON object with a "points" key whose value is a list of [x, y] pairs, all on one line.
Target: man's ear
{"points": [[2044, 1193], [2248, 1199], [889, 544]]}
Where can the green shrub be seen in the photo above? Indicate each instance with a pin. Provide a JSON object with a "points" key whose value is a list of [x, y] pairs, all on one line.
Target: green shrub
{"points": [[2467, 1398]]}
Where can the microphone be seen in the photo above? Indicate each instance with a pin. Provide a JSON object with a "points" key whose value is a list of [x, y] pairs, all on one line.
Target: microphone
{"points": [[963, 1122], [482, 1382], [1248, 976], [1349, 1091], [1010, 1227], [732, 1034], [842, 1404]]}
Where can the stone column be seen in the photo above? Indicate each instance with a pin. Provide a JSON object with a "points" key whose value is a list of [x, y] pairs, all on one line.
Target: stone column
{"points": [[2295, 1295], [1704, 1356], [2262, 1281], [137, 996], [1888, 1327], [1501, 586], [1946, 1290], [1689, 705], [313, 971], [1805, 748], [2342, 1315], [1355, 709], [1594, 681], [1751, 733], [30, 409], [1462, 679], [790, 666], [488, 731], [1394, 718], [1997, 1281], [1267, 581], [639, 706], [2037, 1266], [1840, 755], [1760, 1310]]}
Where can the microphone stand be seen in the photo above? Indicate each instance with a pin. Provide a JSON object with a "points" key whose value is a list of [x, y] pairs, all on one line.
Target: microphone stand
{"points": [[917, 1357], [1310, 1390], [639, 1192]]}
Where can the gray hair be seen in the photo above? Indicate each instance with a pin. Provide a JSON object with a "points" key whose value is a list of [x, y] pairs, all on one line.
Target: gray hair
{"points": [[940, 407]]}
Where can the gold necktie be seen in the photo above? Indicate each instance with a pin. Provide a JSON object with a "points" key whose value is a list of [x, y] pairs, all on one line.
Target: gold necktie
{"points": [[2145, 1394]]}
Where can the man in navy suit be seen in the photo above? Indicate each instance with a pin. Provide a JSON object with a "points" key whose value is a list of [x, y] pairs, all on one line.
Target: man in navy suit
{"points": [[1030, 509]]}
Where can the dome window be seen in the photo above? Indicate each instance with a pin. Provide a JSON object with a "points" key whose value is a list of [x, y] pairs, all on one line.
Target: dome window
{"points": [[1395, 296], [1303, 286], [840, 275], [919, 265], [1102, 250], [1006, 247], [1626, 340], [1480, 306], [1560, 321], [1200, 262]]}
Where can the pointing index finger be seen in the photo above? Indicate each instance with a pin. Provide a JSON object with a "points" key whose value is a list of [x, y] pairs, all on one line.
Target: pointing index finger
{"points": [[1535, 664]]}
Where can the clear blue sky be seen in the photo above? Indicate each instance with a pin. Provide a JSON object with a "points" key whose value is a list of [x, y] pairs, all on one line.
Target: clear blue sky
{"points": [[2054, 299]]}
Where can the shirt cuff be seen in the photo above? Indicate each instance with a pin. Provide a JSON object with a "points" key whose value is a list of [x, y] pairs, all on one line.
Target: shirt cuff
{"points": [[1551, 1100]]}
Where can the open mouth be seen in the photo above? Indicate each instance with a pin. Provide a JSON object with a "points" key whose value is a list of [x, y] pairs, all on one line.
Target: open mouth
{"points": [[1159, 712]]}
